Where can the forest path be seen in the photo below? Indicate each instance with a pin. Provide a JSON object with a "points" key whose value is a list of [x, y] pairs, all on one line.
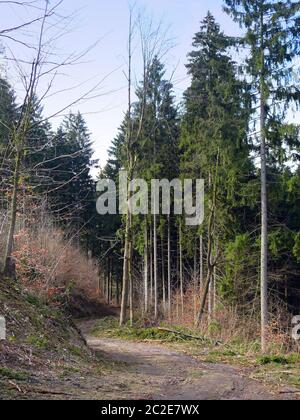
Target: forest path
{"points": [[155, 372]]}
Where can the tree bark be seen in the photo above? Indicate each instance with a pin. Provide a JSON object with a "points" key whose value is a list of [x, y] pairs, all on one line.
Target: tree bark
{"points": [[155, 266], [125, 288], [210, 268], [201, 263], [195, 282], [131, 291], [13, 217], [127, 246], [163, 275], [151, 266], [169, 270], [264, 201], [146, 268], [211, 262], [181, 270]]}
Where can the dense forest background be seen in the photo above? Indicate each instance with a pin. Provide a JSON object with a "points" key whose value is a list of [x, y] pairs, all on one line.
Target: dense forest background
{"points": [[233, 127]]}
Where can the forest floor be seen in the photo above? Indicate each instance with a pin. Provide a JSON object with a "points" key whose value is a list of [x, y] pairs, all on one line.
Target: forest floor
{"points": [[45, 356], [156, 371]]}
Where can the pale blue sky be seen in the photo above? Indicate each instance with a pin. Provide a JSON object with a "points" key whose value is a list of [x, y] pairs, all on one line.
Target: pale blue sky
{"points": [[108, 20]]}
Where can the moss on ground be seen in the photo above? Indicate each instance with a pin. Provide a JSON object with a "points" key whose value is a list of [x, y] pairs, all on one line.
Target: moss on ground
{"points": [[109, 328], [12, 374]]}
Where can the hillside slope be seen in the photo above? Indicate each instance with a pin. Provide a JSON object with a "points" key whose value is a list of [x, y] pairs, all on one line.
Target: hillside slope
{"points": [[44, 350]]}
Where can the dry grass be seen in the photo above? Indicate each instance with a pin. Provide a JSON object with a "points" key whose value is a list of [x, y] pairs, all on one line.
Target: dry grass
{"points": [[49, 261], [233, 326], [49, 264]]}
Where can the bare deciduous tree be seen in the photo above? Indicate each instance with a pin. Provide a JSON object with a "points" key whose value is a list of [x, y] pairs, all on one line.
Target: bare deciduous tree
{"points": [[36, 76]]}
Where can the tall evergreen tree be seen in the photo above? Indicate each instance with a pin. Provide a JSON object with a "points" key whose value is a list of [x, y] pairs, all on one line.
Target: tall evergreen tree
{"points": [[272, 34], [213, 141], [8, 119], [158, 154], [71, 191]]}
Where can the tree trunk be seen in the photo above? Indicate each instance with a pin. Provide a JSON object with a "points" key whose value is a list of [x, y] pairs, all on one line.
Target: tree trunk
{"points": [[210, 268], [204, 296], [107, 283], [195, 282], [264, 247], [210, 235], [125, 287], [131, 291], [130, 157], [110, 282], [181, 270], [146, 268], [163, 275], [169, 270], [264, 203], [155, 267], [201, 263], [151, 266], [13, 218], [178, 282], [117, 291]]}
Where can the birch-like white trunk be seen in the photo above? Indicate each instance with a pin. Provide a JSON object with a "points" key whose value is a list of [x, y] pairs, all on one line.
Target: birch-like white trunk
{"points": [[181, 271], [155, 266], [169, 270], [146, 269], [264, 200]]}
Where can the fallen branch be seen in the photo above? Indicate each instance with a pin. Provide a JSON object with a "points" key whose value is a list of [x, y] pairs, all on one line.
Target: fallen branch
{"points": [[47, 392], [14, 385], [290, 392], [193, 337]]}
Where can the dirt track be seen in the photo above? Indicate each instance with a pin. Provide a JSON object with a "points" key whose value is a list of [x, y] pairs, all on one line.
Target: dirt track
{"points": [[155, 372]]}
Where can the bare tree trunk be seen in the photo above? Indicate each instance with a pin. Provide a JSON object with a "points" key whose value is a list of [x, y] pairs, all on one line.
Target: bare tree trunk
{"points": [[110, 280], [201, 263], [107, 282], [264, 241], [215, 290], [127, 247], [264, 202], [130, 286], [163, 275], [212, 294], [211, 262], [209, 270], [178, 282], [155, 266], [146, 268], [181, 270], [13, 217], [125, 288], [117, 292], [151, 267], [204, 297], [169, 270], [195, 282]]}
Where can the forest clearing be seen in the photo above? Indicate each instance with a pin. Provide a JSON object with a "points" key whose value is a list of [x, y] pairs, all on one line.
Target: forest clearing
{"points": [[150, 201]]}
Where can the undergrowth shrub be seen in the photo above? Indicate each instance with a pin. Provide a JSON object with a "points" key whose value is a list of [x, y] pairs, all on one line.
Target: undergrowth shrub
{"points": [[51, 266], [235, 325]]}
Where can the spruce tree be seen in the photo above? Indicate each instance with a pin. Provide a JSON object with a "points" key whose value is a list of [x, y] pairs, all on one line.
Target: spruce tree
{"points": [[272, 35], [213, 139], [72, 191], [8, 119]]}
